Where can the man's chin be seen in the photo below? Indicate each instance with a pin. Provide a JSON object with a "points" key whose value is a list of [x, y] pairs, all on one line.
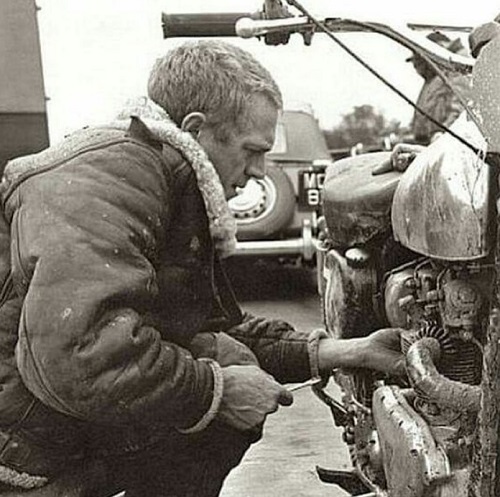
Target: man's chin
{"points": [[230, 193], [234, 191]]}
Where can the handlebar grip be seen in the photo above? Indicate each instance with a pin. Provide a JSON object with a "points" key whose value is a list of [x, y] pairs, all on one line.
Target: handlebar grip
{"points": [[200, 25]]}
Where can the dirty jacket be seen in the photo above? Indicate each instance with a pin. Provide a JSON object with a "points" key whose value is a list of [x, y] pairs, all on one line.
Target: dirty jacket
{"points": [[113, 274]]}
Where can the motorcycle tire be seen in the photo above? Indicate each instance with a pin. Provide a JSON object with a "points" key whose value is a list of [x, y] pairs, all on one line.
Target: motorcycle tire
{"points": [[265, 206]]}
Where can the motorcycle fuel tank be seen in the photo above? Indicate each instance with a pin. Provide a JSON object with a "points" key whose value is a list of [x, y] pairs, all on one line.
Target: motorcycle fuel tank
{"points": [[356, 204], [441, 204]]}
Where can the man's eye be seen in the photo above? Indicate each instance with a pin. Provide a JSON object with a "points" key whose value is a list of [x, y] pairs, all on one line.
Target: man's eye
{"points": [[254, 152]]}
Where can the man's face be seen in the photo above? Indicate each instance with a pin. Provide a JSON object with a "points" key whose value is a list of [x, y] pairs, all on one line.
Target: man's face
{"points": [[241, 156]]}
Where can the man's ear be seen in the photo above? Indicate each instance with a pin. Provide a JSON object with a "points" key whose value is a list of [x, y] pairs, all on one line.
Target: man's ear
{"points": [[192, 122]]}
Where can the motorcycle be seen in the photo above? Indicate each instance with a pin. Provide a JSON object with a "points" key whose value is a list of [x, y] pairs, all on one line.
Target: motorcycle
{"points": [[417, 250]]}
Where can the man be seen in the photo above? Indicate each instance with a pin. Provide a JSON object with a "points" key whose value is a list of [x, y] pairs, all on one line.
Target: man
{"points": [[125, 360], [435, 97]]}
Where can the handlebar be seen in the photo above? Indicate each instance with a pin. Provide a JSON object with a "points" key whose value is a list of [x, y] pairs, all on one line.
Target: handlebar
{"points": [[247, 25], [201, 25], [276, 28], [406, 35]]}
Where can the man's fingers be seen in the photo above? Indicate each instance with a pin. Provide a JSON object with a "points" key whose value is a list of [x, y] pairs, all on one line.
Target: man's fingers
{"points": [[285, 397], [249, 396], [407, 147], [385, 167]]}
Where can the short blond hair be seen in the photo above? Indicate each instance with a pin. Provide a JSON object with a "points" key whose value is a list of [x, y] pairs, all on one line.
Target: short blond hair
{"points": [[213, 77]]}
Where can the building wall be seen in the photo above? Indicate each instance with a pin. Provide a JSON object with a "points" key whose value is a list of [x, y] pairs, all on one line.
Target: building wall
{"points": [[23, 115]]}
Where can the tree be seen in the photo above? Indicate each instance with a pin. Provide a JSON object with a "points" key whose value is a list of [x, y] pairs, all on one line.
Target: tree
{"points": [[362, 125]]}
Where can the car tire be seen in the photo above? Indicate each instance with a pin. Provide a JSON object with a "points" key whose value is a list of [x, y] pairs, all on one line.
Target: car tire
{"points": [[265, 206]]}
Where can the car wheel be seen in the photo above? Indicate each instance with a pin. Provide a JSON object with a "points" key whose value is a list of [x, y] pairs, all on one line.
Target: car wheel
{"points": [[264, 206]]}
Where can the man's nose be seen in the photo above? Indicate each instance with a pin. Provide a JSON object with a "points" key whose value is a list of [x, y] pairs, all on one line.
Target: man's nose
{"points": [[257, 169]]}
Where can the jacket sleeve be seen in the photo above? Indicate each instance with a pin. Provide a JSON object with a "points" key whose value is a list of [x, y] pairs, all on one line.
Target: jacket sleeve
{"points": [[282, 351], [83, 239]]}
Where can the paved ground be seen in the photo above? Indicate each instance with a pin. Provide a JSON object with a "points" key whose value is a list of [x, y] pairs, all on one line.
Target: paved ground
{"points": [[283, 462], [302, 436]]}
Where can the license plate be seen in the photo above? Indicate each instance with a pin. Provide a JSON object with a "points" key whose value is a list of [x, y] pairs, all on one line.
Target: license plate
{"points": [[310, 186]]}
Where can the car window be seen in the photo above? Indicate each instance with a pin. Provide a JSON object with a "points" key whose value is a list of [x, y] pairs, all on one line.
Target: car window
{"points": [[279, 146]]}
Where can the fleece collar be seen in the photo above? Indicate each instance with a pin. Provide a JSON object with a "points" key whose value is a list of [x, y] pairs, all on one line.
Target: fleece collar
{"points": [[221, 221]]}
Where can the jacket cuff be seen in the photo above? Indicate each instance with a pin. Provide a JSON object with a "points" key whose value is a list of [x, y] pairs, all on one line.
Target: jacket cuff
{"points": [[218, 390], [312, 348]]}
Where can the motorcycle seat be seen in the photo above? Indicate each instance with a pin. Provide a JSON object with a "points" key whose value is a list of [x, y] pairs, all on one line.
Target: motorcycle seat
{"points": [[356, 204]]}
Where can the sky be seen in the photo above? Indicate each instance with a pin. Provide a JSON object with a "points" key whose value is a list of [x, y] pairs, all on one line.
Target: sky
{"points": [[98, 53]]}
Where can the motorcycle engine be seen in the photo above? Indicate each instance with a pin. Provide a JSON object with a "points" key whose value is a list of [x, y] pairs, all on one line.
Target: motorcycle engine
{"points": [[409, 442], [446, 304], [450, 305]]}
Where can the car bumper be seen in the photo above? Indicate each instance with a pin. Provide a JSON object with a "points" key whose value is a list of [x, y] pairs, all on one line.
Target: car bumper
{"points": [[304, 246]]}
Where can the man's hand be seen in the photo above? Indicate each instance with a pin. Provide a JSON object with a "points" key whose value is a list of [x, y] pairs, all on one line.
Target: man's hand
{"points": [[380, 351], [401, 157], [250, 394]]}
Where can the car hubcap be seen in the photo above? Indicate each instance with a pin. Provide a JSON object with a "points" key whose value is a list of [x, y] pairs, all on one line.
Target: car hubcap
{"points": [[255, 200]]}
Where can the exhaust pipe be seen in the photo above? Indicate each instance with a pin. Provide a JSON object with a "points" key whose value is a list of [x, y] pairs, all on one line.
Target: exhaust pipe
{"points": [[433, 386]]}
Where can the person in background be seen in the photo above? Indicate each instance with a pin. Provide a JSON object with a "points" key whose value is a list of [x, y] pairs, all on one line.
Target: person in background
{"points": [[404, 153], [435, 96], [125, 361]]}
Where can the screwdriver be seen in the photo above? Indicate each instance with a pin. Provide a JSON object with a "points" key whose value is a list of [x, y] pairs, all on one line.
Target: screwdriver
{"points": [[308, 383]]}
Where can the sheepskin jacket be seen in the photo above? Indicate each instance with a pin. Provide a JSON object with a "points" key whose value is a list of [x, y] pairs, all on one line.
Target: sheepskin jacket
{"points": [[112, 271]]}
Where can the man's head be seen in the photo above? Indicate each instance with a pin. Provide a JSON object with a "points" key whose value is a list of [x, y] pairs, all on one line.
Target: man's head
{"points": [[226, 99]]}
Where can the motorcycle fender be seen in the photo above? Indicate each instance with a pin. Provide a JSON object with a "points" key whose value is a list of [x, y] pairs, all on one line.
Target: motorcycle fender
{"points": [[413, 463], [441, 207]]}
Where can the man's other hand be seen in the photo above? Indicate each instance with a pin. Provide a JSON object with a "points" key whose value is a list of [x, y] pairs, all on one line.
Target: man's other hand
{"points": [[250, 394], [224, 349], [231, 352]]}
